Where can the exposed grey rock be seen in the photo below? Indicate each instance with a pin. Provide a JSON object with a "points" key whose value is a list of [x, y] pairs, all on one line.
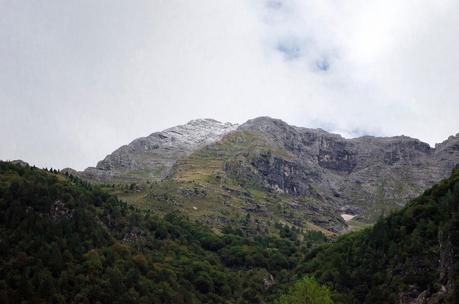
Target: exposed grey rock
{"points": [[20, 162], [447, 152], [69, 171], [192, 192], [268, 281], [369, 174], [59, 211], [153, 156]]}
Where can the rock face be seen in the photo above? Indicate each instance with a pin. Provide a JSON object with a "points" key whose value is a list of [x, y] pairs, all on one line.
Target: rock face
{"points": [[152, 157], [374, 174], [20, 162]]}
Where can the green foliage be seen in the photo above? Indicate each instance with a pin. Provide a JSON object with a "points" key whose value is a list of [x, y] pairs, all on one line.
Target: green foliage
{"points": [[406, 251], [306, 291], [63, 240]]}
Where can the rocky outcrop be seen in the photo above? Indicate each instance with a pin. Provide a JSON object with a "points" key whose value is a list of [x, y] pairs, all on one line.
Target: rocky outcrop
{"points": [[69, 171], [372, 174], [20, 162]]}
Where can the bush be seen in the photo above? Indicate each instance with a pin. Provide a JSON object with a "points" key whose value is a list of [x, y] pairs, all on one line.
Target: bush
{"points": [[306, 291]]}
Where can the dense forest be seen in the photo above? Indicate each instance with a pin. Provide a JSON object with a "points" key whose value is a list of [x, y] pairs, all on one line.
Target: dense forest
{"points": [[63, 240]]}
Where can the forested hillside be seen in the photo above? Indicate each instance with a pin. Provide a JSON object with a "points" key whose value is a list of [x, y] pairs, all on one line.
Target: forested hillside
{"points": [[412, 255], [65, 241]]}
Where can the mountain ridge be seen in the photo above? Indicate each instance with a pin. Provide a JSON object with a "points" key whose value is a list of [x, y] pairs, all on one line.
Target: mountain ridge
{"points": [[365, 176], [101, 170]]}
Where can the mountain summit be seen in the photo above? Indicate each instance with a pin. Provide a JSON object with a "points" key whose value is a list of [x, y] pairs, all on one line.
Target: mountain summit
{"points": [[152, 157]]}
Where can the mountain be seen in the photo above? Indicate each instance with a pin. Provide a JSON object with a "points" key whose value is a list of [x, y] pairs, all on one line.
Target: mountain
{"points": [[275, 172]]}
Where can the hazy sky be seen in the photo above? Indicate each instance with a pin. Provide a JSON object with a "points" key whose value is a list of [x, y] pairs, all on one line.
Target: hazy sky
{"points": [[80, 78]]}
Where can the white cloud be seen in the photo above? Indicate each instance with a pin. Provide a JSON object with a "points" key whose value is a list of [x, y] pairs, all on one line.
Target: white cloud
{"points": [[80, 79], [393, 64]]}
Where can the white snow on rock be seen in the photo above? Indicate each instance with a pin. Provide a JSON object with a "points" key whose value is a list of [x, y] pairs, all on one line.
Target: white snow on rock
{"points": [[347, 217]]}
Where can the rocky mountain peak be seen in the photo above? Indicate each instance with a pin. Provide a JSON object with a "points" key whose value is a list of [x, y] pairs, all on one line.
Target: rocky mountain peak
{"points": [[264, 123], [451, 143], [153, 156], [207, 122], [196, 132]]}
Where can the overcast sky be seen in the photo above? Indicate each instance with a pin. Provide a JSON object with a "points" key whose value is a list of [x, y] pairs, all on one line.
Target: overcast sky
{"points": [[80, 78]]}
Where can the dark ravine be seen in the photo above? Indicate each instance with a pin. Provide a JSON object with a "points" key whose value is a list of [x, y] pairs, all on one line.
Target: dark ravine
{"points": [[366, 176]]}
